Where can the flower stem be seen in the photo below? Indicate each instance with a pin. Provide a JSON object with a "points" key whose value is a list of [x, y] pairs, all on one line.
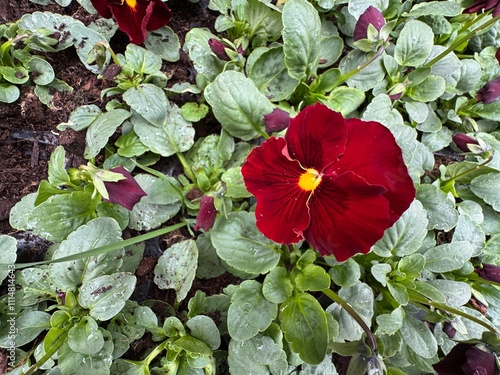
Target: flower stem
{"points": [[336, 298], [461, 40], [359, 68], [187, 168]]}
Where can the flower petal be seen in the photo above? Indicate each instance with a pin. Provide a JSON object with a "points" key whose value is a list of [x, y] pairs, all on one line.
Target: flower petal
{"points": [[348, 216], [371, 16], [102, 7], [132, 17], [125, 192], [316, 137], [281, 212], [160, 16], [206, 214], [372, 153]]}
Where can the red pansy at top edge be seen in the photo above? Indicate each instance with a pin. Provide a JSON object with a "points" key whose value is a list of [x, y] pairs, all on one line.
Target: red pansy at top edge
{"points": [[337, 183], [125, 192], [135, 17]]}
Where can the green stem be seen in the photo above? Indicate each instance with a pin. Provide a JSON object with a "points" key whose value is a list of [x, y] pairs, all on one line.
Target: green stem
{"points": [[469, 170], [102, 249], [414, 297], [336, 298], [461, 40], [56, 345], [359, 68], [187, 168]]}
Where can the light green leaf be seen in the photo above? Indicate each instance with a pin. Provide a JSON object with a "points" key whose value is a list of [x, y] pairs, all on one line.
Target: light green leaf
{"points": [[441, 211], [164, 43], [441, 8], [204, 61], [141, 60], [8, 257], [418, 337], [368, 77], [17, 75], [271, 77], [399, 293], [406, 235], [57, 173], [84, 337], [249, 312], [456, 293], [414, 44], [448, 257], [106, 295], [102, 129], [60, 215], [34, 286], [176, 268], [149, 101], [345, 274], [259, 355], [325, 367], [305, 326], [43, 69], [209, 264], [344, 99], [81, 118], [301, 38], [380, 271], [32, 323], [360, 297], [239, 243], [486, 187], [389, 324], [9, 93], [330, 50], [312, 278], [469, 231], [277, 287], [238, 105], [429, 90], [203, 328]]}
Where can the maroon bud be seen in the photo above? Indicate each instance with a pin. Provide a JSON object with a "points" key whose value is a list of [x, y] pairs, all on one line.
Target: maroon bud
{"points": [[485, 5], [125, 192], [218, 48], [449, 330], [277, 120], [465, 359], [206, 214], [489, 272], [371, 16], [489, 92], [462, 140], [497, 55]]}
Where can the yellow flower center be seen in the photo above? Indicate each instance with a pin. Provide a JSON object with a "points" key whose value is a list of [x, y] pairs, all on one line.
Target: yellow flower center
{"points": [[309, 180], [131, 3]]}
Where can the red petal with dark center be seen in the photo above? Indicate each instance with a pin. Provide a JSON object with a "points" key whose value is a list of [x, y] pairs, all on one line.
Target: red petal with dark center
{"points": [[316, 137], [372, 153], [160, 16], [281, 212], [125, 192], [102, 7], [133, 20], [348, 216]]}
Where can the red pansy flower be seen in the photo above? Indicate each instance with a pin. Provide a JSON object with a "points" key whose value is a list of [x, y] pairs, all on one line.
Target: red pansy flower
{"points": [[126, 192], [371, 16], [337, 183], [135, 17], [489, 92]]}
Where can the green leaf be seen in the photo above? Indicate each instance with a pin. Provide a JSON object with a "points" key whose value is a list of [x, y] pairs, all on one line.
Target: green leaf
{"points": [[141, 60], [235, 185], [301, 38], [429, 90], [277, 287], [129, 145], [60, 215], [68, 276], [209, 263], [456, 293], [441, 8], [412, 265], [271, 77], [239, 243], [344, 99], [399, 293], [249, 312], [418, 337], [406, 235], [448, 257], [414, 44], [366, 78], [176, 135], [429, 291], [193, 112], [17, 75], [176, 268], [203, 328], [81, 118], [360, 297], [469, 231], [259, 355], [161, 203], [164, 43], [345, 274], [149, 101], [380, 272], [441, 211], [305, 326], [204, 61], [57, 173], [330, 50], [8, 256], [486, 188], [325, 367], [34, 286], [238, 105], [31, 324], [41, 71], [312, 278], [84, 337], [9, 93], [106, 295], [389, 324], [102, 129]]}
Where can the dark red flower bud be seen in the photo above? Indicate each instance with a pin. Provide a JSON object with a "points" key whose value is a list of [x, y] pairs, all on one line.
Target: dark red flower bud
{"points": [[206, 214], [449, 330], [490, 92], [497, 55], [277, 120], [218, 48], [371, 16], [462, 140], [485, 5], [489, 272], [125, 192]]}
